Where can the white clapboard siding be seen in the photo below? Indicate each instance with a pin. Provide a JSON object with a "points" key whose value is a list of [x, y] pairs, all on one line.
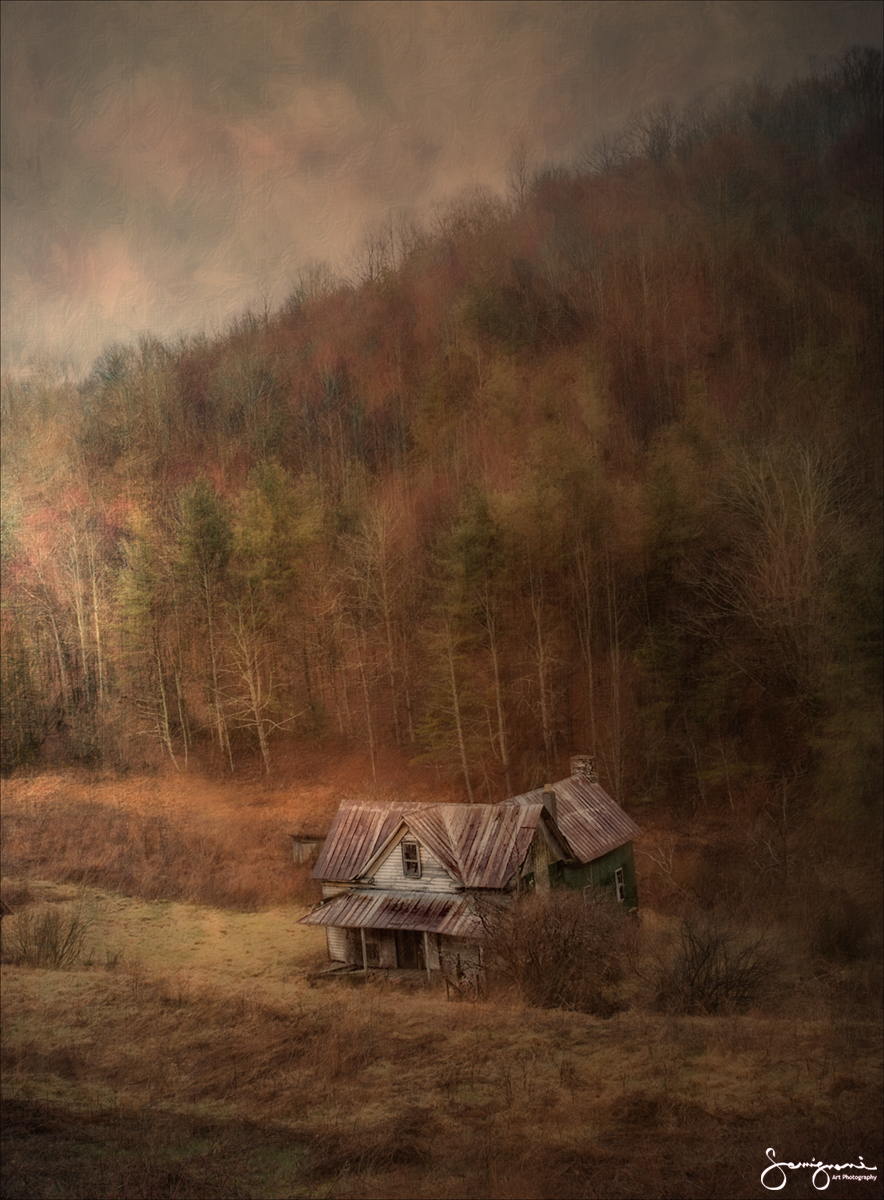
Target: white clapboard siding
{"points": [[390, 876], [330, 890], [337, 943]]}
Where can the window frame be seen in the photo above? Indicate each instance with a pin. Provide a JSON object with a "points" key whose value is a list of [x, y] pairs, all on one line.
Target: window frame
{"points": [[620, 884], [411, 862]]}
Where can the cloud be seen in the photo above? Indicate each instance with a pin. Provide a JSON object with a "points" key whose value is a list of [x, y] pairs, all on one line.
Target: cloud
{"points": [[165, 164]]}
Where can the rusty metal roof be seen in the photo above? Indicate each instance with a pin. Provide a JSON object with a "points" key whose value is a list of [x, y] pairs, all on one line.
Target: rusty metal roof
{"points": [[481, 845], [449, 915], [593, 823], [359, 829]]}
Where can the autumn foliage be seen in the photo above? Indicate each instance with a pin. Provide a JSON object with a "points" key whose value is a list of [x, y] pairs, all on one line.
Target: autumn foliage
{"points": [[597, 469]]}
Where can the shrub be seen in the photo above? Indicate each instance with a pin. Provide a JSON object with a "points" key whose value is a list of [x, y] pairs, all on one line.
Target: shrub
{"points": [[49, 936], [561, 949], [17, 895], [714, 967]]}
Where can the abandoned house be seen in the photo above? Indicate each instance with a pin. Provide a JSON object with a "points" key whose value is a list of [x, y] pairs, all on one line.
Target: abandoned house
{"points": [[404, 883]]}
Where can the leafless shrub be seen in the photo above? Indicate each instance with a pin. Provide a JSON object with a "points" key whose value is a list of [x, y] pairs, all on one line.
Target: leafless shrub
{"points": [[561, 949], [462, 973], [49, 936], [17, 896], [714, 967]]}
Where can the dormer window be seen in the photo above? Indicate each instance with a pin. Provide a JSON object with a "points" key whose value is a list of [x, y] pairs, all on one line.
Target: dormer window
{"points": [[411, 860]]}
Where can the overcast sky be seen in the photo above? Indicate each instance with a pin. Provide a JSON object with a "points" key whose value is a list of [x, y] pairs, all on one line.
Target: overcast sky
{"points": [[167, 164]]}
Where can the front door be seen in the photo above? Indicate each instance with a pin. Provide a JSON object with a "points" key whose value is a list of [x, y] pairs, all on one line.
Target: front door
{"points": [[409, 950]]}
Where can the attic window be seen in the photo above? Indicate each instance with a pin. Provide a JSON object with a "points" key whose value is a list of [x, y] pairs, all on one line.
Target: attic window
{"points": [[619, 885], [411, 860]]}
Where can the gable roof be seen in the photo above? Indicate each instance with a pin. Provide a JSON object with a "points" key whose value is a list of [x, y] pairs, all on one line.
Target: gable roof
{"points": [[591, 821], [358, 831], [480, 845]]}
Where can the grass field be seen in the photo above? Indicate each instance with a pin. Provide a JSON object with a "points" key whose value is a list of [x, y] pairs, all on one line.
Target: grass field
{"points": [[191, 1052]]}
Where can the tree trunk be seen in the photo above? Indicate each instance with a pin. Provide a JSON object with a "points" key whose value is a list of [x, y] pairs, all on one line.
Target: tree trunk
{"points": [[455, 699]]}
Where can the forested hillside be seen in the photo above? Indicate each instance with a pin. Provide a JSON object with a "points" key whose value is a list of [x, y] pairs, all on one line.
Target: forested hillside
{"points": [[592, 466]]}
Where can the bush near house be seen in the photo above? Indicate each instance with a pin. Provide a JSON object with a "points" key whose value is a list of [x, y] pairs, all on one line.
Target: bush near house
{"points": [[561, 949]]}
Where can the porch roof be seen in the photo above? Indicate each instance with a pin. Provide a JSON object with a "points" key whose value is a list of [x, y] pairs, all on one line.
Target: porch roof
{"points": [[445, 914]]}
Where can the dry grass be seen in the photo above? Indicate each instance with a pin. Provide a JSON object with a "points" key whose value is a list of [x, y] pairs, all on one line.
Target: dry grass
{"points": [[177, 836], [156, 1076], [229, 859], [189, 1053]]}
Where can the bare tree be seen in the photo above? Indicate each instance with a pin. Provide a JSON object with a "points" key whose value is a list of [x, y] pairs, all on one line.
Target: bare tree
{"points": [[654, 131], [518, 174], [375, 258], [606, 155]]}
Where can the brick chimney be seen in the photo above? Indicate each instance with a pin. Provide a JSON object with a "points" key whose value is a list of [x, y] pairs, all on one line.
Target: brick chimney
{"points": [[583, 767], [550, 802]]}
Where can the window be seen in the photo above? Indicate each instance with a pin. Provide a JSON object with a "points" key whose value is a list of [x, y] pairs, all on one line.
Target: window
{"points": [[619, 885], [411, 860]]}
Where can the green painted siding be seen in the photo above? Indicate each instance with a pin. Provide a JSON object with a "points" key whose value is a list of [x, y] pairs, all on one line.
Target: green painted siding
{"points": [[600, 873]]}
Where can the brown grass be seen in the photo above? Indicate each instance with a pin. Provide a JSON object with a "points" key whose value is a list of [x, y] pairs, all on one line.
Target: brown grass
{"points": [[375, 1093], [243, 862], [181, 835], [147, 1077], [190, 1052], [175, 842]]}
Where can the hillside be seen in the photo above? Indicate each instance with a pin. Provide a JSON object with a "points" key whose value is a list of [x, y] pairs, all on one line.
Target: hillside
{"points": [[597, 466]]}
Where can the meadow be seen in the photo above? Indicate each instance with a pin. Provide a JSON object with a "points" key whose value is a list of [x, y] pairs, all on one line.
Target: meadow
{"points": [[194, 1050]]}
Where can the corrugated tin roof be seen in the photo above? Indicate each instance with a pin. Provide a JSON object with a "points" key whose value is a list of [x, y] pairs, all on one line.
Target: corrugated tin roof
{"points": [[482, 845], [593, 823], [449, 915], [358, 831]]}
